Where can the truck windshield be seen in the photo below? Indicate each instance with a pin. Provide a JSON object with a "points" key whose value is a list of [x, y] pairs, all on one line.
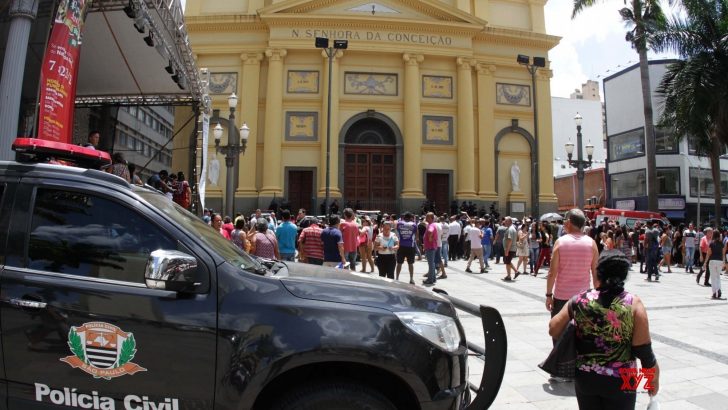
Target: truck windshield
{"points": [[201, 231]]}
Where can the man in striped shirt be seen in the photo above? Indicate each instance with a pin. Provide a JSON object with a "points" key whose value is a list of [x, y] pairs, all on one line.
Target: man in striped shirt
{"points": [[573, 258], [310, 245]]}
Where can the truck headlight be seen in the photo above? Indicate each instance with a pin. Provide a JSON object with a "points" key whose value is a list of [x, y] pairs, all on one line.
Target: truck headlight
{"points": [[438, 329]]}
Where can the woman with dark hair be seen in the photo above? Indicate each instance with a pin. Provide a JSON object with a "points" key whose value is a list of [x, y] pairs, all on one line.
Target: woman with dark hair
{"points": [[545, 240], [626, 243], [609, 240], [119, 166], [666, 247], [365, 244], [182, 193], [611, 331], [714, 263], [263, 243], [238, 236], [677, 246], [133, 177]]}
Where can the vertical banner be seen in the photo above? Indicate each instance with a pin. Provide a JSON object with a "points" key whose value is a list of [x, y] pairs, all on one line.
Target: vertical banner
{"points": [[203, 173], [59, 72]]}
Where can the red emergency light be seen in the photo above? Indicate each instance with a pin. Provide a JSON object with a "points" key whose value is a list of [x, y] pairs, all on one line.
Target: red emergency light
{"points": [[44, 151]]}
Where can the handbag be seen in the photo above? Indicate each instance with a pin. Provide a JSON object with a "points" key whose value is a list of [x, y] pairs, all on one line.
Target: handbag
{"points": [[561, 362]]}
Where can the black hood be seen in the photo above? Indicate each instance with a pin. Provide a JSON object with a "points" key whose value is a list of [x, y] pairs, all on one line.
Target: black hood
{"points": [[343, 286]]}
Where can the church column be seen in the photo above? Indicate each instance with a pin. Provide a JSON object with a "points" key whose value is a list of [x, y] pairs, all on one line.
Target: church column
{"points": [[538, 20], [273, 127], [465, 132], [22, 13], [486, 134], [412, 187], [334, 190], [546, 196], [249, 93]]}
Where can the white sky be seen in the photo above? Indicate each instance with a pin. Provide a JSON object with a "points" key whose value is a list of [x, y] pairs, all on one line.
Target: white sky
{"points": [[592, 45]]}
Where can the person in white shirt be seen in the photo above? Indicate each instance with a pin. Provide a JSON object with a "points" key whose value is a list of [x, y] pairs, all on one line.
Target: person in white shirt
{"points": [[474, 235], [689, 242], [444, 239], [454, 238], [439, 262], [466, 241]]}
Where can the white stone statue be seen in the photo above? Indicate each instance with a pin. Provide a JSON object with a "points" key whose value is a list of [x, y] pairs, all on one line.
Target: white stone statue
{"points": [[213, 173], [515, 177]]}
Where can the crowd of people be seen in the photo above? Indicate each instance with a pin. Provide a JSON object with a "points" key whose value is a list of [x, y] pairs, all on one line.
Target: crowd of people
{"points": [[588, 263]]}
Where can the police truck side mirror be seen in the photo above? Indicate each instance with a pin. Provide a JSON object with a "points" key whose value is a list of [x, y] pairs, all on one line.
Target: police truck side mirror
{"points": [[171, 270]]}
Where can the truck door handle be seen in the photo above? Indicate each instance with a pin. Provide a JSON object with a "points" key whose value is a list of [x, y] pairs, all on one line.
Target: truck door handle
{"points": [[33, 304]]}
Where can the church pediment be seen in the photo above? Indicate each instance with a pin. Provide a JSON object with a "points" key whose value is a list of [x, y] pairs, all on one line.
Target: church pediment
{"points": [[425, 11]]}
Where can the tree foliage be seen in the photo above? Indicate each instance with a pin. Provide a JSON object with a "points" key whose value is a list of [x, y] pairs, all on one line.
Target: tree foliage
{"points": [[695, 89]]}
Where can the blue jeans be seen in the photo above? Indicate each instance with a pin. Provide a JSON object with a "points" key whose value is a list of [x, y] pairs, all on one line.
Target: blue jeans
{"points": [[444, 250], [652, 263], [532, 258], [351, 258], [689, 254], [431, 272], [288, 257], [487, 249]]}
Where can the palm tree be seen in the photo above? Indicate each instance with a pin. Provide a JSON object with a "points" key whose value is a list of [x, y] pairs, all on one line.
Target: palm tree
{"points": [[695, 89], [643, 17]]}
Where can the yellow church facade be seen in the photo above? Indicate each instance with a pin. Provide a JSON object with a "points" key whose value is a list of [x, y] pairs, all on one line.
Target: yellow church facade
{"points": [[427, 102]]}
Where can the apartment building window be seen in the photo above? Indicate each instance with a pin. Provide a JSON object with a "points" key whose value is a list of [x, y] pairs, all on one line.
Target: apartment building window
{"points": [[629, 184], [668, 181], [707, 186], [133, 111], [627, 145], [122, 138], [665, 141]]}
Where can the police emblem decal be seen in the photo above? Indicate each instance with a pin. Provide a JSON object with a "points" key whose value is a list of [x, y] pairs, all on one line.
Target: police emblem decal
{"points": [[102, 350]]}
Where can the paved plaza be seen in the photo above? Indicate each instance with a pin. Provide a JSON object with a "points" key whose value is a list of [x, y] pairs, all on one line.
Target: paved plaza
{"points": [[688, 336]]}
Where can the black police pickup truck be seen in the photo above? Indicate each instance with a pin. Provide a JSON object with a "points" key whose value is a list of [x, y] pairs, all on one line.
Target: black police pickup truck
{"points": [[113, 297]]}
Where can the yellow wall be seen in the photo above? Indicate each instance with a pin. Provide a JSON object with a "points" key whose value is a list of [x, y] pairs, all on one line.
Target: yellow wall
{"points": [[485, 35]]}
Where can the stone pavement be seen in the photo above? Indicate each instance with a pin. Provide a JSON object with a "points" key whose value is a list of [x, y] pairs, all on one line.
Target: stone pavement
{"points": [[688, 336]]}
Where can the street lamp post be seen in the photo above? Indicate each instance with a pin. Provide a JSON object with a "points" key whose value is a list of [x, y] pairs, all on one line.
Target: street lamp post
{"points": [[231, 151], [323, 43], [538, 62], [579, 163]]}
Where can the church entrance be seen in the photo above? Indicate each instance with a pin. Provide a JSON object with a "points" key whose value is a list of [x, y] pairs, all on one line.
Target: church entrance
{"points": [[370, 172]]}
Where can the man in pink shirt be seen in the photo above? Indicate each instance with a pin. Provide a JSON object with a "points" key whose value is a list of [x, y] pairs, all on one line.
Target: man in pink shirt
{"points": [[430, 244], [350, 232], [574, 256]]}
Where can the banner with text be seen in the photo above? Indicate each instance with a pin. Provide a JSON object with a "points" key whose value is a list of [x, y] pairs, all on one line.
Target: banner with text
{"points": [[59, 72]]}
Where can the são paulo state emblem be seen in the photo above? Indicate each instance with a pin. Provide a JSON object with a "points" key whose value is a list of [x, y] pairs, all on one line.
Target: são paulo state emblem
{"points": [[102, 350]]}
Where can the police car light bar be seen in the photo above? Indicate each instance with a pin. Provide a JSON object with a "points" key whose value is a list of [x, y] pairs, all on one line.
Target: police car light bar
{"points": [[39, 151]]}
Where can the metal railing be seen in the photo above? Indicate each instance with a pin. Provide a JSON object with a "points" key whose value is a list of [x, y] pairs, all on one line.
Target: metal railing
{"points": [[493, 354]]}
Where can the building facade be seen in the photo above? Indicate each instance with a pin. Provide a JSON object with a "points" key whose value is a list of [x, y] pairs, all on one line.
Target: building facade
{"points": [[426, 103], [684, 178], [142, 135]]}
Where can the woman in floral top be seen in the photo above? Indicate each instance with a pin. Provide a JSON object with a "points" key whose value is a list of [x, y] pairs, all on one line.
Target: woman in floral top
{"points": [[611, 331]]}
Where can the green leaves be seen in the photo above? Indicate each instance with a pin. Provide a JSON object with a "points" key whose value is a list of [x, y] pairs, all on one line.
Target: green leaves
{"points": [[74, 342], [128, 350]]}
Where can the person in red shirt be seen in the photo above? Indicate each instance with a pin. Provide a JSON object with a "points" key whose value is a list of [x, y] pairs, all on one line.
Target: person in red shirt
{"points": [[350, 231], [430, 244], [310, 245]]}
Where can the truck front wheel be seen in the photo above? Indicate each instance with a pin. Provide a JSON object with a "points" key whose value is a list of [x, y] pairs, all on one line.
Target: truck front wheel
{"points": [[333, 396]]}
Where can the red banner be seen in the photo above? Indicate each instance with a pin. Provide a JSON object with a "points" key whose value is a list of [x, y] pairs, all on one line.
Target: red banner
{"points": [[59, 71]]}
